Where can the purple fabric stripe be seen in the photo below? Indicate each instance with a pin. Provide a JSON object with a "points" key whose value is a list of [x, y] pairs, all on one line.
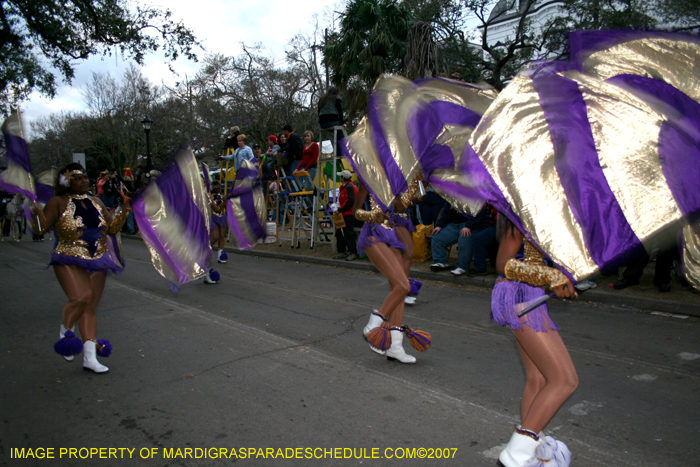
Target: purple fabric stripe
{"points": [[346, 154], [43, 192], [608, 236], [243, 241], [584, 43], [679, 138], [15, 189], [248, 206], [172, 186], [391, 168], [150, 236], [17, 151], [207, 176]]}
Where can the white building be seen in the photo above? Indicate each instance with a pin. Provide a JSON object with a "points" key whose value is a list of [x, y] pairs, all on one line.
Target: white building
{"points": [[505, 16]]}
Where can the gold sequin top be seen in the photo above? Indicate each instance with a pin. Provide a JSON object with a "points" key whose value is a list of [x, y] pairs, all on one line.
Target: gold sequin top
{"points": [[70, 230], [220, 209]]}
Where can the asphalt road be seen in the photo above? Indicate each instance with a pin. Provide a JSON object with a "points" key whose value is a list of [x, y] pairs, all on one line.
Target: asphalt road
{"points": [[270, 362]]}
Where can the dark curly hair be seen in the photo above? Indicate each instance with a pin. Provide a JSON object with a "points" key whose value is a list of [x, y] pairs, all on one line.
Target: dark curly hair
{"points": [[58, 189]]}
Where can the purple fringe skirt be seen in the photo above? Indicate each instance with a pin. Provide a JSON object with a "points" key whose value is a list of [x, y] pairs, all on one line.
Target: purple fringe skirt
{"points": [[373, 233], [218, 220], [104, 264], [404, 222], [507, 294]]}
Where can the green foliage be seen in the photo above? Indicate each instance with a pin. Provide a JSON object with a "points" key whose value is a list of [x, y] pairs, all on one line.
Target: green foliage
{"points": [[371, 41], [38, 35]]}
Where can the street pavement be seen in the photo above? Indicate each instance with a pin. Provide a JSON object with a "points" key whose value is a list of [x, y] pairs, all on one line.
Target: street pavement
{"points": [[270, 363]]}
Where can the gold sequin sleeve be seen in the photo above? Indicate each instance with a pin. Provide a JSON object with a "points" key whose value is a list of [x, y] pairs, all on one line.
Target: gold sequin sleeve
{"points": [[537, 275], [116, 225], [375, 215], [409, 196]]}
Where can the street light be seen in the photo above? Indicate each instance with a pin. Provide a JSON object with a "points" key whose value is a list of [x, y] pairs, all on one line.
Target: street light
{"points": [[147, 122]]}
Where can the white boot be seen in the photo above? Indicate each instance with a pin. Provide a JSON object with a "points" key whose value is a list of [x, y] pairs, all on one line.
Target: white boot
{"points": [[375, 320], [409, 300], [90, 358], [520, 449], [61, 335], [222, 257], [396, 351]]}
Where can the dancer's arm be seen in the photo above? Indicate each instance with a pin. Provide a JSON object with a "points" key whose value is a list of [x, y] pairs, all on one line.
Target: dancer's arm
{"points": [[375, 215], [536, 275], [411, 195], [49, 215]]}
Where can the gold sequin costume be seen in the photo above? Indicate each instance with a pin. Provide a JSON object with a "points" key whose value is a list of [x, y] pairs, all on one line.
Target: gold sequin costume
{"points": [[82, 237]]}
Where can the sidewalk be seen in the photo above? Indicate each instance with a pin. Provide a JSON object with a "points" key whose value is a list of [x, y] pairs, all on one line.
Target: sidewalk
{"points": [[644, 296]]}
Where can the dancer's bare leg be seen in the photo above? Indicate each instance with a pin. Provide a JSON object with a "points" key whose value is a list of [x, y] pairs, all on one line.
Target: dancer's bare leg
{"points": [[551, 376], [222, 236], [388, 261], [406, 238], [214, 236], [77, 286], [88, 322]]}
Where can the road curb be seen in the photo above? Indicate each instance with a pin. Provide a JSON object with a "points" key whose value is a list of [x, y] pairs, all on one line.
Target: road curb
{"points": [[598, 295], [626, 301]]}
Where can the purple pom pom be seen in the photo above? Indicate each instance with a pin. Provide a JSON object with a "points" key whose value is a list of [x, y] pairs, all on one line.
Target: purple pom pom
{"points": [[223, 256], [214, 275], [415, 286], [68, 345], [104, 348]]}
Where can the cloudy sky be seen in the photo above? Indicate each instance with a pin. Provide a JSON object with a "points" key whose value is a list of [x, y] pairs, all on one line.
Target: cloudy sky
{"points": [[220, 25]]}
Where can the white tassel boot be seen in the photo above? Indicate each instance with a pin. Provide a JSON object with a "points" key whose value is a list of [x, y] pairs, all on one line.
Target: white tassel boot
{"points": [[520, 449], [90, 358], [396, 351], [375, 321], [61, 335]]}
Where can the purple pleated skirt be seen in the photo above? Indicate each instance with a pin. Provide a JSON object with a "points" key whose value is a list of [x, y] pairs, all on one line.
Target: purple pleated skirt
{"points": [[373, 233], [404, 222], [218, 220], [507, 294], [104, 264]]}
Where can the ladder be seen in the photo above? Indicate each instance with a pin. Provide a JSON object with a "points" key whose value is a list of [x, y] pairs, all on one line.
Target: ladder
{"points": [[322, 226]]}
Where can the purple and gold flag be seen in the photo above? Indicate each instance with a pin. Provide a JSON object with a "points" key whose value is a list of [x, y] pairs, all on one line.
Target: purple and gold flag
{"points": [[17, 178], [593, 159], [246, 208], [173, 214]]}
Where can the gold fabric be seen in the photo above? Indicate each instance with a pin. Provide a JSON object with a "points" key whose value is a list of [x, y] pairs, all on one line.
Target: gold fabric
{"points": [[669, 60], [476, 98], [368, 167], [15, 174], [234, 206], [626, 132], [691, 253], [515, 147], [168, 225], [69, 229]]}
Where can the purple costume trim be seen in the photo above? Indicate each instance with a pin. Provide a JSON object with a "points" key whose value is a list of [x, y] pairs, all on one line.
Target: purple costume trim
{"points": [[404, 222], [507, 294], [373, 233], [103, 264], [218, 220]]}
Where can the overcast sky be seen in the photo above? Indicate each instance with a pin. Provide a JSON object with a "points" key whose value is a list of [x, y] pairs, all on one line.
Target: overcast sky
{"points": [[220, 25]]}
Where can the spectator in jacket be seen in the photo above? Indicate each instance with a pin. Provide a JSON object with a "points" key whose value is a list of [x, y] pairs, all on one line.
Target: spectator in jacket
{"points": [[345, 237], [295, 147], [454, 227]]}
